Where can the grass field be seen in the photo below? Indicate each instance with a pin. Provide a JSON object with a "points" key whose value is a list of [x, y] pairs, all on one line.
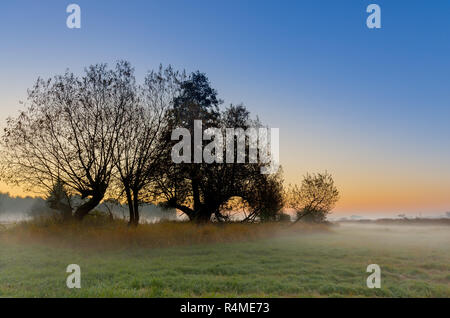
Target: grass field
{"points": [[414, 261]]}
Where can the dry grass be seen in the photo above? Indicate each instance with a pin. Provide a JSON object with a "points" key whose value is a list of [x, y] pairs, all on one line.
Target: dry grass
{"points": [[107, 234]]}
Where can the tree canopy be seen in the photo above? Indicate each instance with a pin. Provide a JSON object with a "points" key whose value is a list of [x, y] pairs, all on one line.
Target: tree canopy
{"points": [[101, 135], [315, 198]]}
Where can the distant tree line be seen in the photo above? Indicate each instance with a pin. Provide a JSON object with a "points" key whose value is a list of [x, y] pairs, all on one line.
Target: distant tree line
{"points": [[102, 136]]}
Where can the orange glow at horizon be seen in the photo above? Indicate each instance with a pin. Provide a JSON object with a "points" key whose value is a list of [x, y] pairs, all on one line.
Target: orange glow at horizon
{"points": [[364, 198]]}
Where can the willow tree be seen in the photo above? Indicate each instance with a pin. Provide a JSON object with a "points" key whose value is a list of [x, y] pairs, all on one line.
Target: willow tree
{"points": [[202, 189], [141, 146], [314, 199], [68, 133]]}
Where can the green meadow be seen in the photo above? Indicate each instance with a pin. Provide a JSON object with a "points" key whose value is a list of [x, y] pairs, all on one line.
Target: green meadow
{"points": [[414, 261]]}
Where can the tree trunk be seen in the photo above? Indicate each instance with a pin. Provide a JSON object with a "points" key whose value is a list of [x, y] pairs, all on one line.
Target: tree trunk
{"points": [[188, 211], [202, 215], [130, 206], [136, 207], [85, 208], [196, 194]]}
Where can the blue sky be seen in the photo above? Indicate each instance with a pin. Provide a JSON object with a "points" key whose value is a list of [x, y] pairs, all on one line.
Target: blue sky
{"points": [[370, 106]]}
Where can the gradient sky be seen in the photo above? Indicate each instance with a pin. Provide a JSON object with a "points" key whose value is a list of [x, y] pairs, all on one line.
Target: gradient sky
{"points": [[370, 106]]}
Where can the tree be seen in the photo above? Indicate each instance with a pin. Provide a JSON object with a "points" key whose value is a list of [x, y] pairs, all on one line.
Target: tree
{"points": [[101, 135], [202, 190], [68, 132], [315, 198], [140, 146], [60, 200], [265, 198]]}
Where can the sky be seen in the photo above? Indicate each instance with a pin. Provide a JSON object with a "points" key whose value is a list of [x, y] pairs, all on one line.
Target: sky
{"points": [[370, 106]]}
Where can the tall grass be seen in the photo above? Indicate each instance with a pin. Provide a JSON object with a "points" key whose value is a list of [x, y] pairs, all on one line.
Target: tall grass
{"points": [[94, 232]]}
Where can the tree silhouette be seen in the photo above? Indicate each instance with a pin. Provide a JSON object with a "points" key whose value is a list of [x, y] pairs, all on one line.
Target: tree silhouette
{"points": [[68, 133], [315, 198], [140, 146], [201, 190], [101, 135]]}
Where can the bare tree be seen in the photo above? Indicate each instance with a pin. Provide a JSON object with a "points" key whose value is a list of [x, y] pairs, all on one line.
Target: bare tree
{"points": [[315, 198], [68, 133], [140, 148]]}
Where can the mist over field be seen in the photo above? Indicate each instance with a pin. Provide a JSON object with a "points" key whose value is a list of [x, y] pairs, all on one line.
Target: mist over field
{"points": [[16, 209], [385, 236], [235, 260]]}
